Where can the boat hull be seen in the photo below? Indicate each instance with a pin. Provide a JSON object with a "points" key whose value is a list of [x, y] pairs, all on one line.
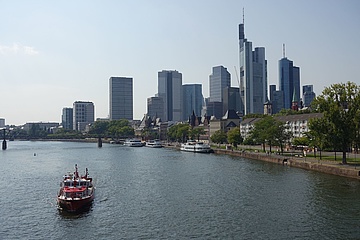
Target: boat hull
{"points": [[75, 205], [196, 150]]}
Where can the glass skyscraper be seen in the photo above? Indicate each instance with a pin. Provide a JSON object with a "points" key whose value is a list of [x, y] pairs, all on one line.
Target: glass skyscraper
{"points": [[192, 100], [289, 81], [218, 80], [308, 95]]}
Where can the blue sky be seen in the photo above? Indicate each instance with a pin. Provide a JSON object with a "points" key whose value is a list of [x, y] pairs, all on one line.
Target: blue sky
{"points": [[53, 53]]}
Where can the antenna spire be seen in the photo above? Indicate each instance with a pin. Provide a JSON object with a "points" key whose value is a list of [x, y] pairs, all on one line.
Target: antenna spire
{"points": [[284, 56], [243, 16]]}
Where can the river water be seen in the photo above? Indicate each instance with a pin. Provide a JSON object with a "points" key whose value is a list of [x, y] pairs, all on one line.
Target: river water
{"points": [[145, 193]]}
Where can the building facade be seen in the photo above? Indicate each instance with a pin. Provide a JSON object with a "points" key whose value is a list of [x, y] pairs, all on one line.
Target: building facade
{"points": [[170, 90], [120, 98], [67, 118], [192, 100], [253, 75], [297, 125], [83, 115]]}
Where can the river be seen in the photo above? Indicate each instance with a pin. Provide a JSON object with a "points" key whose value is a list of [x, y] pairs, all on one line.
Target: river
{"points": [[145, 193]]}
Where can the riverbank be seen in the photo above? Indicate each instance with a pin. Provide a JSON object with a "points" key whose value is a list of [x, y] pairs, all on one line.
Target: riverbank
{"points": [[329, 167], [308, 163]]}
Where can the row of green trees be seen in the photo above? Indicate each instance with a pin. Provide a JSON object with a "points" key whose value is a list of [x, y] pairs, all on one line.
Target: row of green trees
{"points": [[183, 132], [337, 130], [115, 129]]}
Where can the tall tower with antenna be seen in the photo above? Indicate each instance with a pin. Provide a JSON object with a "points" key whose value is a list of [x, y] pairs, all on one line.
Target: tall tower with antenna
{"points": [[289, 81], [253, 74]]}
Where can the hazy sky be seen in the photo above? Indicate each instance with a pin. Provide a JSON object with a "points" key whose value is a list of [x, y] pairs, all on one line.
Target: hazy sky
{"points": [[53, 53]]}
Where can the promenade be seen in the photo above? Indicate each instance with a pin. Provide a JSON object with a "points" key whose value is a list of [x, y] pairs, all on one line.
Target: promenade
{"points": [[296, 160]]}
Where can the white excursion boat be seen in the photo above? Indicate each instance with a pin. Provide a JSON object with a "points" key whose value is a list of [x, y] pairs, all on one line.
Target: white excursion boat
{"points": [[154, 143], [133, 143], [197, 147]]}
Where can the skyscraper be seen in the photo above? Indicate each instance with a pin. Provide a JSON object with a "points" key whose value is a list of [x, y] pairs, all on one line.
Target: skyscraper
{"points": [[308, 95], [121, 98], [192, 100], [83, 114], [231, 99], [253, 75], [218, 80], [155, 107], [67, 118], [170, 90], [289, 81]]}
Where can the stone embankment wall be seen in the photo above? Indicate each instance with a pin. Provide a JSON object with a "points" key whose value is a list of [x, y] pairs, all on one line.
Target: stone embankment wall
{"points": [[310, 164]]}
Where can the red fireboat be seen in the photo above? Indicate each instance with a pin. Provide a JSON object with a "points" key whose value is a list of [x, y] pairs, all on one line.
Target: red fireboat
{"points": [[76, 192]]}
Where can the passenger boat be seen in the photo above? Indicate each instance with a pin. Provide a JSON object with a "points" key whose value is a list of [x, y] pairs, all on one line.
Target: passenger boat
{"points": [[76, 192], [197, 147], [154, 144], [133, 143]]}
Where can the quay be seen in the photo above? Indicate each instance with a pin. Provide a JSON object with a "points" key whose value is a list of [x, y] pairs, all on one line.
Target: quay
{"points": [[308, 163]]}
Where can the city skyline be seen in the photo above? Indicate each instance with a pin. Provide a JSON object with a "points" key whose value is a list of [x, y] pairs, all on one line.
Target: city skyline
{"points": [[52, 54]]}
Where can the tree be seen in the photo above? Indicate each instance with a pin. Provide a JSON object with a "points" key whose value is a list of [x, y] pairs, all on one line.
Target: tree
{"points": [[99, 127], [219, 137], [178, 132], [261, 132], [196, 132], [234, 137], [339, 104], [320, 134], [301, 141], [279, 135]]}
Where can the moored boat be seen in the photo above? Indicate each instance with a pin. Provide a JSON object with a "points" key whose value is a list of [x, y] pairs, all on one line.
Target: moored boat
{"points": [[133, 143], [76, 192], [197, 147], [154, 144]]}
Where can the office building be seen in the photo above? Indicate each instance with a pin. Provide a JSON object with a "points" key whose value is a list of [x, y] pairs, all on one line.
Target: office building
{"points": [[231, 99], [212, 108], [83, 115], [121, 98], [170, 90], [192, 100], [218, 80], [67, 118], [253, 75], [155, 107]]}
